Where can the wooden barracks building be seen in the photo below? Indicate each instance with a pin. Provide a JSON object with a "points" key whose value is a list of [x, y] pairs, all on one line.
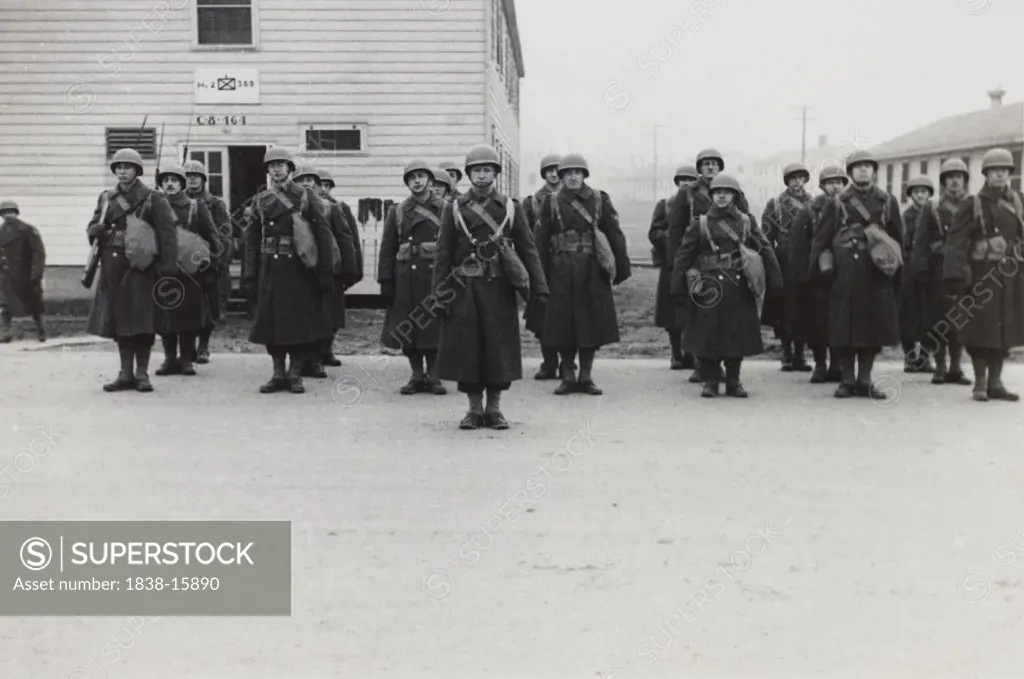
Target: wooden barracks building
{"points": [[358, 87]]}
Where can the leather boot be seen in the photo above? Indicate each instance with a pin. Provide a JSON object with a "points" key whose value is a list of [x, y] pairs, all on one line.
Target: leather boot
{"points": [[675, 341], [296, 359], [865, 386], [171, 364], [733, 386], [940, 374], [125, 379], [799, 362], [492, 413], [586, 382], [956, 372], [474, 419], [143, 350], [418, 381], [711, 371], [279, 381], [40, 328], [980, 361], [820, 373], [568, 374], [689, 362], [996, 390], [433, 384], [329, 359], [835, 368], [787, 357], [203, 352], [187, 342], [549, 366], [848, 383]]}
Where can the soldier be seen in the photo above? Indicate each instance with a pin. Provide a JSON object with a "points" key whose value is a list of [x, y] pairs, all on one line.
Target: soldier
{"points": [[668, 314], [580, 271], [350, 268], [940, 336], [196, 179], [408, 250], [534, 317], [862, 307], [456, 174], [294, 292], [909, 300], [22, 261], [692, 202], [777, 220], [982, 264], [809, 321], [483, 248], [183, 304], [441, 187], [709, 264], [124, 308]]}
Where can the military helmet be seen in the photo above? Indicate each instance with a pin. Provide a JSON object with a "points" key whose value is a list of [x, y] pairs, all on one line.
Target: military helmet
{"points": [[441, 176], [725, 181], [195, 167], [449, 166], [574, 161], [832, 172], [279, 153], [994, 158], [9, 206], [953, 165], [710, 154], [306, 170], [551, 160], [130, 156], [326, 177], [178, 172], [483, 154], [920, 182], [795, 168], [416, 166], [860, 156], [685, 172]]}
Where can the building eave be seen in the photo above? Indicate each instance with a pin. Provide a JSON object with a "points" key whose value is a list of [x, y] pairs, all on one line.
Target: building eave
{"points": [[517, 49]]}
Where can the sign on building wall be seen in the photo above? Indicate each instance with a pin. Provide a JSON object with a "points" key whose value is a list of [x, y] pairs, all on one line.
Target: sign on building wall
{"points": [[227, 84]]}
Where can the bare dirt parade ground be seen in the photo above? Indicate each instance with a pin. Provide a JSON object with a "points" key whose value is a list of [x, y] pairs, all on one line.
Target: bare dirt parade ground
{"points": [[642, 534]]}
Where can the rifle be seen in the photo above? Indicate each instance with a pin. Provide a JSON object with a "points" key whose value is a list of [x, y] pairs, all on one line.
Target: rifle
{"points": [[92, 262], [159, 152]]}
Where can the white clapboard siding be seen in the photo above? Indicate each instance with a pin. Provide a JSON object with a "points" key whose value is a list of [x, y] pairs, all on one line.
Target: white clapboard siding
{"points": [[420, 81]]}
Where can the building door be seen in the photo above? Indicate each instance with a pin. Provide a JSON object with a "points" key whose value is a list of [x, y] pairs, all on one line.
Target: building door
{"points": [[216, 161]]}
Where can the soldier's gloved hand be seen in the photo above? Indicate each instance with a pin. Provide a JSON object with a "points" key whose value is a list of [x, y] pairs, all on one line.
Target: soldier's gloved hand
{"points": [[95, 231], [387, 292]]}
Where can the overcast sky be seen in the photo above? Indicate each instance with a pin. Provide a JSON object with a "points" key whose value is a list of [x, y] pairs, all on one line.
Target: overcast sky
{"points": [[734, 73]]}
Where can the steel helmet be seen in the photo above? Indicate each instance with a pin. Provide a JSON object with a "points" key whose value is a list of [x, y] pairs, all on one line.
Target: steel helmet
{"points": [[449, 166], [483, 154], [279, 153], [795, 168], [953, 165], [685, 172], [832, 172], [441, 176], [725, 181], [195, 167], [551, 160], [417, 166], [306, 170], [920, 182], [130, 156], [574, 161], [178, 172], [710, 154], [997, 158], [9, 206], [326, 177], [859, 156]]}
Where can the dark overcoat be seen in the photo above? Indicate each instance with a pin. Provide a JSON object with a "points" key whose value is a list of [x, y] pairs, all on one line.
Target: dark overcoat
{"points": [[668, 313], [992, 312], [862, 304], [357, 239], [777, 222], [581, 310], [347, 272], [480, 334], [218, 282], [534, 312], [407, 262], [291, 308], [910, 295], [724, 322], [183, 300], [933, 223], [124, 305], [809, 320], [22, 262]]}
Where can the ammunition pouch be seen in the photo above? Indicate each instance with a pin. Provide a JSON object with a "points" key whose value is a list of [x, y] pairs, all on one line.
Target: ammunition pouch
{"points": [[708, 262], [409, 251], [852, 238], [574, 242], [115, 239], [282, 246], [988, 249]]}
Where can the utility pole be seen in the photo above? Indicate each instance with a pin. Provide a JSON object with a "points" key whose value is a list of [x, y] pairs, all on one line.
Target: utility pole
{"points": [[654, 168]]}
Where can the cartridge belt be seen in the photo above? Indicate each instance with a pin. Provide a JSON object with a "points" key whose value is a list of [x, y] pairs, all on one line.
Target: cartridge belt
{"points": [[277, 245], [426, 250], [568, 242]]}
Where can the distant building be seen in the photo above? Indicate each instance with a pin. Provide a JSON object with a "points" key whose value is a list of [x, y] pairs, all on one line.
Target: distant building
{"points": [[766, 176], [967, 136]]}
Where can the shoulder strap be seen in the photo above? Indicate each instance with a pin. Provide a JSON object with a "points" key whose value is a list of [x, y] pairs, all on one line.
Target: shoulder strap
{"points": [[979, 214], [399, 215], [191, 212], [428, 215]]}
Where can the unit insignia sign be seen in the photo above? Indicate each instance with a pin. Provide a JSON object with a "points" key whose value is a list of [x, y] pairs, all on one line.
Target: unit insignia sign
{"points": [[227, 85]]}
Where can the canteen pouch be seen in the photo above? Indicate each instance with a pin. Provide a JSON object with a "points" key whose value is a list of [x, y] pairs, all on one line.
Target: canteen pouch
{"points": [[428, 250], [886, 253], [140, 246], [826, 262], [604, 254], [302, 235], [514, 268], [193, 251]]}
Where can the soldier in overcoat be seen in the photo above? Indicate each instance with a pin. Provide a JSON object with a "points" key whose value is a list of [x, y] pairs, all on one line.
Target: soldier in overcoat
{"points": [[668, 314], [691, 203], [984, 264], [580, 316], [183, 302], [777, 222], [724, 324], [455, 172], [196, 188], [22, 262], [910, 295], [940, 335], [124, 308], [405, 271], [474, 290], [534, 315], [862, 306], [441, 187], [809, 321], [348, 279], [293, 299]]}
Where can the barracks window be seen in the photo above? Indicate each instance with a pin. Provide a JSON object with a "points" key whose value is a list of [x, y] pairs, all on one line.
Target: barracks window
{"points": [[334, 140], [225, 23]]}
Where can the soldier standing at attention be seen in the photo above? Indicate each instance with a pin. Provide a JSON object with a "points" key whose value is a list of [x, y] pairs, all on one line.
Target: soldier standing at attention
{"points": [[668, 314], [909, 298], [777, 221], [983, 254], [124, 309], [583, 252], [405, 269], [809, 321], [926, 261], [534, 316], [862, 307], [339, 311], [196, 179], [485, 254], [709, 257], [293, 289], [455, 173], [183, 304], [22, 262], [441, 188]]}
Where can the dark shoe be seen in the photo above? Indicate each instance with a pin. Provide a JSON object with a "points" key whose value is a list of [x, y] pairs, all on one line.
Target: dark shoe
{"points": [[187, 368], [566, 386], [41, 332], [1000, 394], [844, 391], [820, 375], [546, 372], [787, 364], [800, 365], [413, 386], [710, 390], [688, 361], [676, 363], [436, 388], [957, 378], [170, 366], [834, 375], [203, 356], [296, 386], [143, 384], [695, 378], [939, 377], [588, 387], [981, 396], [122, 383], [927, 366], [495, 421], [872, 392], [274, 385], [331, 361], [472, 421], [736, 391], [314, 370]]}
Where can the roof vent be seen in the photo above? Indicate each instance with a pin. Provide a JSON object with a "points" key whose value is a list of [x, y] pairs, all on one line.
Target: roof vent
{"points": [[996, 96]]}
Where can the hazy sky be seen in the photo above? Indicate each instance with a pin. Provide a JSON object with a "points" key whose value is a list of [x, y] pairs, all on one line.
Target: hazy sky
{"points": [[734, 73]]}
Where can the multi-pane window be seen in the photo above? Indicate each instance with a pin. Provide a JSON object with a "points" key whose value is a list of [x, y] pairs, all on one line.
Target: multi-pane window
{"points": [[224, 22], [888, 178], [924, 167], [906, 178], [334, 140]]}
